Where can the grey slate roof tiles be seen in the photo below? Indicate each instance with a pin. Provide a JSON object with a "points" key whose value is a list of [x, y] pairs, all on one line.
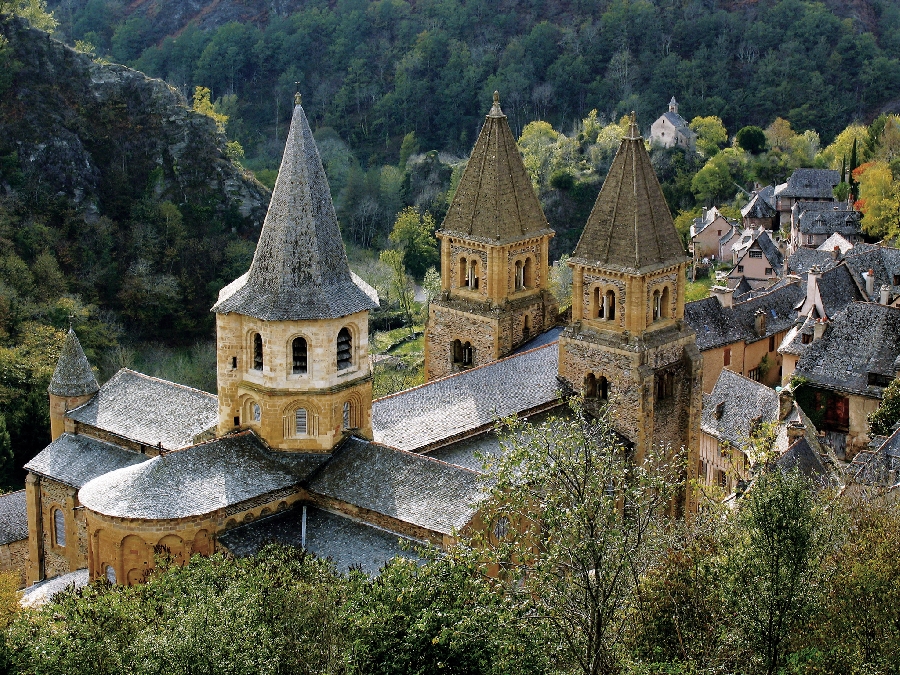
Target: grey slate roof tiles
{"points": [[76, 459], [420, 417], [759, 206], [149, 410], [828, 221], [735, 401], [882, 260], [809, 184], [195, 481], [880, 465], [299, 270], [863, 338], [13, 517], [348, 543], [402, 485], [803, 259], [73, 375], [803, 457]]}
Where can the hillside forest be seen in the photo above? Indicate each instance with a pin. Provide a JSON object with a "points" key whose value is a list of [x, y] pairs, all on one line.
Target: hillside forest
{"points": [[133, 249]]}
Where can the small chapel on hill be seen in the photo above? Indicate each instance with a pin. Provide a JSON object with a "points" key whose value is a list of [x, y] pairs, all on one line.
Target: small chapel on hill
{"points": [[293, 448]]}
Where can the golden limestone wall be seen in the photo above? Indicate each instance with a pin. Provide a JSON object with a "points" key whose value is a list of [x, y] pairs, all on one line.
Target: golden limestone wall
{"points": [[48, 557], [14, 558], [59, 406], [129, 546], [322, 390]]}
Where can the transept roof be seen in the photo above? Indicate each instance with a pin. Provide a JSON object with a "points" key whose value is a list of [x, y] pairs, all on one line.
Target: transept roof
{"points": [[630, 228], [299, 270], [495, 201]]}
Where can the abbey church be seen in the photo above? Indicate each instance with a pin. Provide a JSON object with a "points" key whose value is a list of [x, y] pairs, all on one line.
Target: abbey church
{"points": [[294, 449]]}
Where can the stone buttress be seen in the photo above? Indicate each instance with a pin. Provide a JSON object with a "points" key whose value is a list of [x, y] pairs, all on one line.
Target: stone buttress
{"points": [[494, 260]]}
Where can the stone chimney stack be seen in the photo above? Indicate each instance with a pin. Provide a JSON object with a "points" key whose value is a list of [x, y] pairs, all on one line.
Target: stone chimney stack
{"points": [[869, 278], [812, 281], [785, 402], [759, 322], [819, 329], [885, 294], [836, 253], [724, 295], [795, 431]]}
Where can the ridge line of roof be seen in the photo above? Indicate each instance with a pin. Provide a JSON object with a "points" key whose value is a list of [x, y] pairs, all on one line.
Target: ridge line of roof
{"points": [[159, 379]]}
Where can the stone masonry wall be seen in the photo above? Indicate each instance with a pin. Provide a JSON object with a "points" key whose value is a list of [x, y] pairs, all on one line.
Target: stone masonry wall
{"points": [[14, 558], [446, 325]]}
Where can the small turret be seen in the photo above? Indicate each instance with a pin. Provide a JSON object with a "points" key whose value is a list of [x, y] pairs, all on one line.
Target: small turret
{"points": [[73, 383], [673, 106]]}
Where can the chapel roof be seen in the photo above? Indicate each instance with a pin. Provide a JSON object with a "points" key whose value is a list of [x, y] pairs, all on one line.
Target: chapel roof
{"points": [[299, 270], [630, 227], [810, 184], [73, 375], [149, 411], [464, 402], [495, 201], [76, 459], [13, 517]]}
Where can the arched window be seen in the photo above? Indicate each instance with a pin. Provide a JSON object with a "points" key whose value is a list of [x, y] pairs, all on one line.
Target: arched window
{"points": [[257, 352], [463, 277], [656, 305], [526, 328], [603, 388], [256, 411], [610, 305], [301, 426], [520, 276], [528, 273], [472, 278], [590, 386], [501, 528], [59, 527], [344, 349], [664, 302], [345, 420], [110, 574], [456, 351], [599, 306], [298, 355], [468, 354]]}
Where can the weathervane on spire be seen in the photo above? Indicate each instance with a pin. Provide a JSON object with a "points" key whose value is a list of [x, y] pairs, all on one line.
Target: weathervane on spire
{"points": [[297, 98], [71, 320]]}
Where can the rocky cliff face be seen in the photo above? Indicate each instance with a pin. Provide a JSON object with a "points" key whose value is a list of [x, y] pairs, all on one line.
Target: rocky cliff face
{"points": [[105, 135]]}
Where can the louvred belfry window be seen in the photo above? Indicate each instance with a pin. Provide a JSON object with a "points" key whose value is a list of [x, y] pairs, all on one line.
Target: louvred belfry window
{"points": [[298, 349], [344, 349], [301, 422]]}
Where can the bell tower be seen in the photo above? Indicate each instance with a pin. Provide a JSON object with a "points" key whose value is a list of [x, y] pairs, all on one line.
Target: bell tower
{"points": [[292, 333], [494, 260], [628, 345], [73, 383]]}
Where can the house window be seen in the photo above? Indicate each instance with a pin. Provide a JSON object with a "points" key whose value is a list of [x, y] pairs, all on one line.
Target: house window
{"points": [[665, 385], [344, 349], [599, 304], [528, 273], [468, 354], [701, 470], [771, 343], [726, 357], [298, 354], [769, 271], [301, 426], [721, 479], [257, 352], [257, 412], [740, 268], [896, 280], [526, 328], [590, 386], [879, 380], [754, 374], [472, 274], [806, 338], [603, 388], [809, 239], [59, 527], [463, 272], [345, 415], [756, 254], [237, 421], [664, 302]]}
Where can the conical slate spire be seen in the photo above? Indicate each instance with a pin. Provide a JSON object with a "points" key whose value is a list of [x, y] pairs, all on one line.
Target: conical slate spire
{"points": [[495, 201], [630, 228], [299, 270], [73, 375]]}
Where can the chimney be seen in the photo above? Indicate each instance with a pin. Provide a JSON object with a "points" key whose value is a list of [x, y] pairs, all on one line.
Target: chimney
{"points": [[819, 329], [724, 295], [795, 431], [785, 402], [885, 295], [812, 281], [836, 253], [759, 322], [703, 214], [869, 278]]}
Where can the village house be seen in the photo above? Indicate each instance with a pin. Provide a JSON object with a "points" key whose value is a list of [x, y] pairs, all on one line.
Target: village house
{"points": [[760, 210], [706, 233], [757, 259], [810, 185], [671, 130], [812, 223]]}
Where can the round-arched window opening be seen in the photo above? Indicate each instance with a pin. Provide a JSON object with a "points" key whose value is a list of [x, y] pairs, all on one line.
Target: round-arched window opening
{"points": [[345, 415], [110, 574], [59, 527], [298, 356], [257, 412], [257, 352], [344, 349], [501, 528]]}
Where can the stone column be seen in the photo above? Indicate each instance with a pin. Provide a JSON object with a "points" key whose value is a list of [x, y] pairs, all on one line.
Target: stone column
{"points": [[35, 568]]}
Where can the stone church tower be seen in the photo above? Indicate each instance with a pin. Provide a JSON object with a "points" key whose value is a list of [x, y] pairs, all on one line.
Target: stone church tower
{"points": [[72, 384], [292, 333], [628, 345], [494, 260]]}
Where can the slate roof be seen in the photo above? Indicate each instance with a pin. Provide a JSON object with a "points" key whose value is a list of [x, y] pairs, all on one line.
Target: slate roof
{"points": [[717, 326], [836, 240], [759, 206], [195, 481], [463, 402], [679, 123], [742, 401], [883, 260], [402, 485], [73, 375], [630, 227], [809, 184], [837, 289], [495, 201], [881, 465], [149, 410], [792, 343], [829, 221], [863, 338], [803, 259], [76, 459], [299, 270], [802, 456], [13, 517], [348, 543]]}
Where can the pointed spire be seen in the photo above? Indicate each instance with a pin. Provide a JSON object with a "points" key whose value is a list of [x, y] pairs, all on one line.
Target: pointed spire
{"points": [[630, 227], [299, 270], [73, 375], [495, 201]]}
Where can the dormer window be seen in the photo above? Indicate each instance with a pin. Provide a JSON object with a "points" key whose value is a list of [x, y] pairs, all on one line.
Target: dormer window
{"points": [[298, 356], [879, 380], [344, 349], [257, 352], [806, 338]]}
